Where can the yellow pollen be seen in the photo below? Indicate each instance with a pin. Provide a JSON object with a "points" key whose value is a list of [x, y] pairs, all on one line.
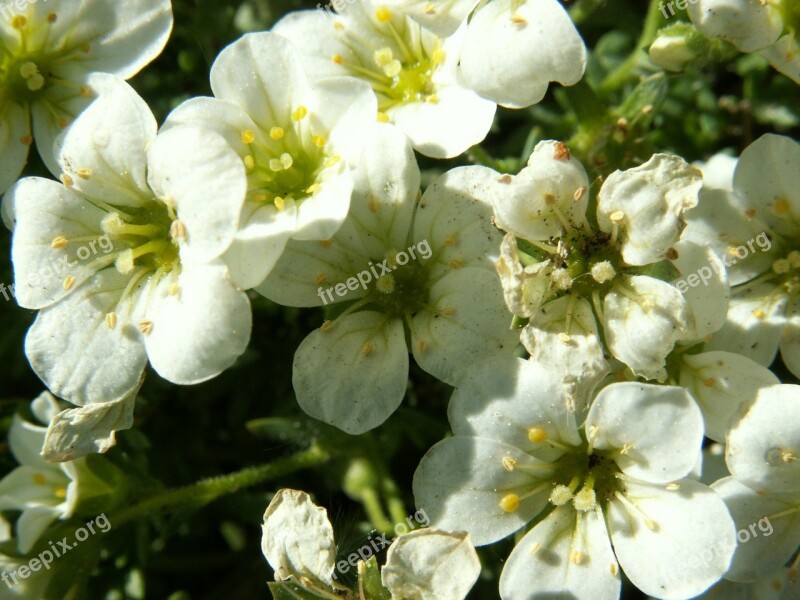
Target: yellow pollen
{"points": [[300, 113], [67, 180], [509, 463], [62, 122], [174, 289], [564, 338], [422, 346], [250, 163], [651, 525], [550, 199], [576, 557], [383, 14], [248, 137], [451, 240], [28, 69], [759, 314], [327, 326], [337, 58], [277, 133], [617, 217], [259, 197], [275, 165], [367, 348], [325, 243], [782, 206], [26, 139], [432, 99], [111, 320], [580, 193], [614, 569], [85, 91], [39, 479], [319, 141], [69, 282], [331, 160], [19, 21], [320, 278], [84, 173], [177, 230], [509, 503], [383, 56], [59, 242], [383, 117], [430, 8], [560, 495], [280, 203], [60, 492], [781, 266], [287, 161], [585, 500], [373, 205], [537, 435], [313, 189], [455, 264], [338, 25], [146, 327], [626, 448], [673, 487], [52, 18], [519, 20], [447, 311], [709, 382], [385, 284]]}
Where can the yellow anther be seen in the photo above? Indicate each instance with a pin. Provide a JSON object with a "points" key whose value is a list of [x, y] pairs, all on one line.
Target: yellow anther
{"points": [[277, 133], [280, 203], [505, 179], [124, 262], [85, 91], [509, 503], [560, 495], [19, 21], [300, 113], [509, 463], [84, 173], [383, 14], [177, 231], [331, 160], [782, 206], [781, 266], [248, 137], [52, 18], [576, 557], [39, 479], [69, 282], [438, 56], [709, 382], [174, 289], [287, 161], [373, 205], [626, 449], [422, 346], [383, 117], [62, 122], [393, 68], [35, 83], [249, 162], [617, 217], [537, 434], [519, 20], [451, 240], [325, 243], [320, 279], [26, 139], [259, 197], [614, 569], [585, 500], [447, 311], [383, 56], [146, 327], [314, 188], [327, 326], [60, 492], [67, 180], [580, 193], [367, 348], [651, 524], [337, 58], [603, 272], [28, 69], [564, 338], [430, 8], [432, 99], [385, 284], [550, 199], [561, 151], [111, 320], [455, 264], [759, 314], [275, 164], [673, 487], [338, 25], [319, 141], [59, 242]]}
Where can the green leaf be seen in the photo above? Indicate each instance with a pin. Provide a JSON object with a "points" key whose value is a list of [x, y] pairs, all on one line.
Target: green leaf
{"points": [[370, 581]]}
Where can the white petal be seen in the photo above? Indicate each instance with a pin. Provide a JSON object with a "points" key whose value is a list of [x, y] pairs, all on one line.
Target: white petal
{"points": [[32, 523], [13, 128], [657, 430], [766, 542], [754, 323], [461, 481], [428, 564], [205, 179], [297, 538], [442, 18], [512, 51], [721, 382], [27, 487], [652, 199], [354, 375], [86, 430], [784, 55], [718, 171], [502, 398], [26, 441], [524, 289], [710, 293], [768, 178], [574, 352], [790, 341], [747, 25], [643, 322], [566, 555], [77, 355], [764, 446], [687, 546], [460, 328], [44, 211], [202, 329], [523, 204], [103, 152], [45, 407]]}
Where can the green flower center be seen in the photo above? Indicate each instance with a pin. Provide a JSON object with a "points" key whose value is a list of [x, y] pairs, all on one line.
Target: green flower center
{"points": [[401, 292], [286, 164], [401, 68]]}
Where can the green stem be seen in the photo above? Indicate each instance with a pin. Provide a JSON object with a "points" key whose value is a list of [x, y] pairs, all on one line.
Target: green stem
{"points": [[374, 510], [206, 491], [619, 76]]}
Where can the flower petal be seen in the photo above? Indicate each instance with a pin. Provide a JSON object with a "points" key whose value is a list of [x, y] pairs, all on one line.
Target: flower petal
{"points": [[369, 352], [14, 126], [747, 25]]}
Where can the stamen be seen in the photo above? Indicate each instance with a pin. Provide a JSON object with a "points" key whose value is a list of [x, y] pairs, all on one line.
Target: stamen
{"points": [[277, 133]]}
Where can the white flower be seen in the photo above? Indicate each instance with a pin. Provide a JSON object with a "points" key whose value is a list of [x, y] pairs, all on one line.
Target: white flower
{"points": [[783, 584], [755, 229], [425, 564], [411, 269], [49, 51], [122, 260], [768, 28], [42, 491], [512, 49], [298, 143], [611, 271], [763, 456], [614, 492], [412, 72]]}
